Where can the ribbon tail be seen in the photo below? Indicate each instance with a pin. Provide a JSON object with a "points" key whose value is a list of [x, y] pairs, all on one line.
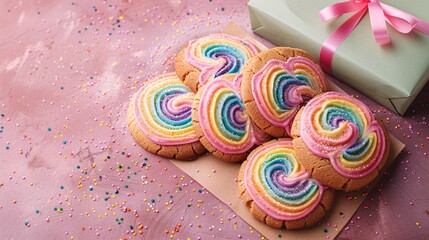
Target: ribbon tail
{"points": [[334, 40], [378, 23], [400, 20], [422, 26], [403, 21]]}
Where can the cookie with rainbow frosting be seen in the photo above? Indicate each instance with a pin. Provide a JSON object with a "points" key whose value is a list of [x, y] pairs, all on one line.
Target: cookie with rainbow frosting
{"points": [[276, 83], [212, 56], [339, 140], [221, 121], [279, 191], [160, 118]]}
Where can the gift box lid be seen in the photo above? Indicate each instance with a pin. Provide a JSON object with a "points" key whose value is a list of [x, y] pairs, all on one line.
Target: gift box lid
{"points": [[392, 75]]}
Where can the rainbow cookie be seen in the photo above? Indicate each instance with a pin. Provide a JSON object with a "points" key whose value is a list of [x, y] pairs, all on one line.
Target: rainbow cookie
{"points": [[340, 141], [160, 118], [279, 191], [212, 56], [276, 83], [221, 122]]}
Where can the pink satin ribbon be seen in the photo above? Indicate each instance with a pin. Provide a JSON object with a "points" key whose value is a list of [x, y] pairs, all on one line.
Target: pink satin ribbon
{"points": [[379, 14]]}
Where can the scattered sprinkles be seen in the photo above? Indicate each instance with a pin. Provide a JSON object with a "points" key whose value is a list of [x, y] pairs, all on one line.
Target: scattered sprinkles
{"points": [[86, 177]]}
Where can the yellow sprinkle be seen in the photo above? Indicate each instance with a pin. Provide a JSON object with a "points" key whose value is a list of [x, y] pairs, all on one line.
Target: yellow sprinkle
{"points": [[418, 224], [121, 17]]}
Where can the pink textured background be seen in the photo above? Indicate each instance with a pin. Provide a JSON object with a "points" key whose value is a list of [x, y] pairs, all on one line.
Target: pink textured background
{"points": [[69, 167]]}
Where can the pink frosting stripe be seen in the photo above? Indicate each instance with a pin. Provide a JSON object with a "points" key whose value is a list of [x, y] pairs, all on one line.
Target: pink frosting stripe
{"points": [[252, 134], [209, 67], [259, 193], [177, 104], [323, 144], [295, 97]]}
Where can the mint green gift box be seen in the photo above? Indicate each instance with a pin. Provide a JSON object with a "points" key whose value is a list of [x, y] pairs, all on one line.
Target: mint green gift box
{"points": [[392, 75]]}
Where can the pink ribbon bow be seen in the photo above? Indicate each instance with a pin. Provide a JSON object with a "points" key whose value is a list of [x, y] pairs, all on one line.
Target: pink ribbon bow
{"points": [[379, 14]]}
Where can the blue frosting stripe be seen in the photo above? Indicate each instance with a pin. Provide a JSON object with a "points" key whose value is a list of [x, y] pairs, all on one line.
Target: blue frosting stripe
{"points": [[234, 57], [225, 119], [293, 193], [283, 84], [160, 111], [334, 114]]}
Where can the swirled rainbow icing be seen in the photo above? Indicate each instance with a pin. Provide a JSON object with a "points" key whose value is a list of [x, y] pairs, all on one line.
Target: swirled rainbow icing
{"points": [[223, 118], [162, 108], [342, 129], [280, 88], [278, 184], [218, 54]]}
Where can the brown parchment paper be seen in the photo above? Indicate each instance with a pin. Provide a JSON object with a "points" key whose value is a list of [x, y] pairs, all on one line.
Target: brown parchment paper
{"points": [[223, 184]]}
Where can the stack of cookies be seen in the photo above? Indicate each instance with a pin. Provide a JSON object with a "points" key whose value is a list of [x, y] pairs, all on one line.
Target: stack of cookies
{"points": [[271, 110]]}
